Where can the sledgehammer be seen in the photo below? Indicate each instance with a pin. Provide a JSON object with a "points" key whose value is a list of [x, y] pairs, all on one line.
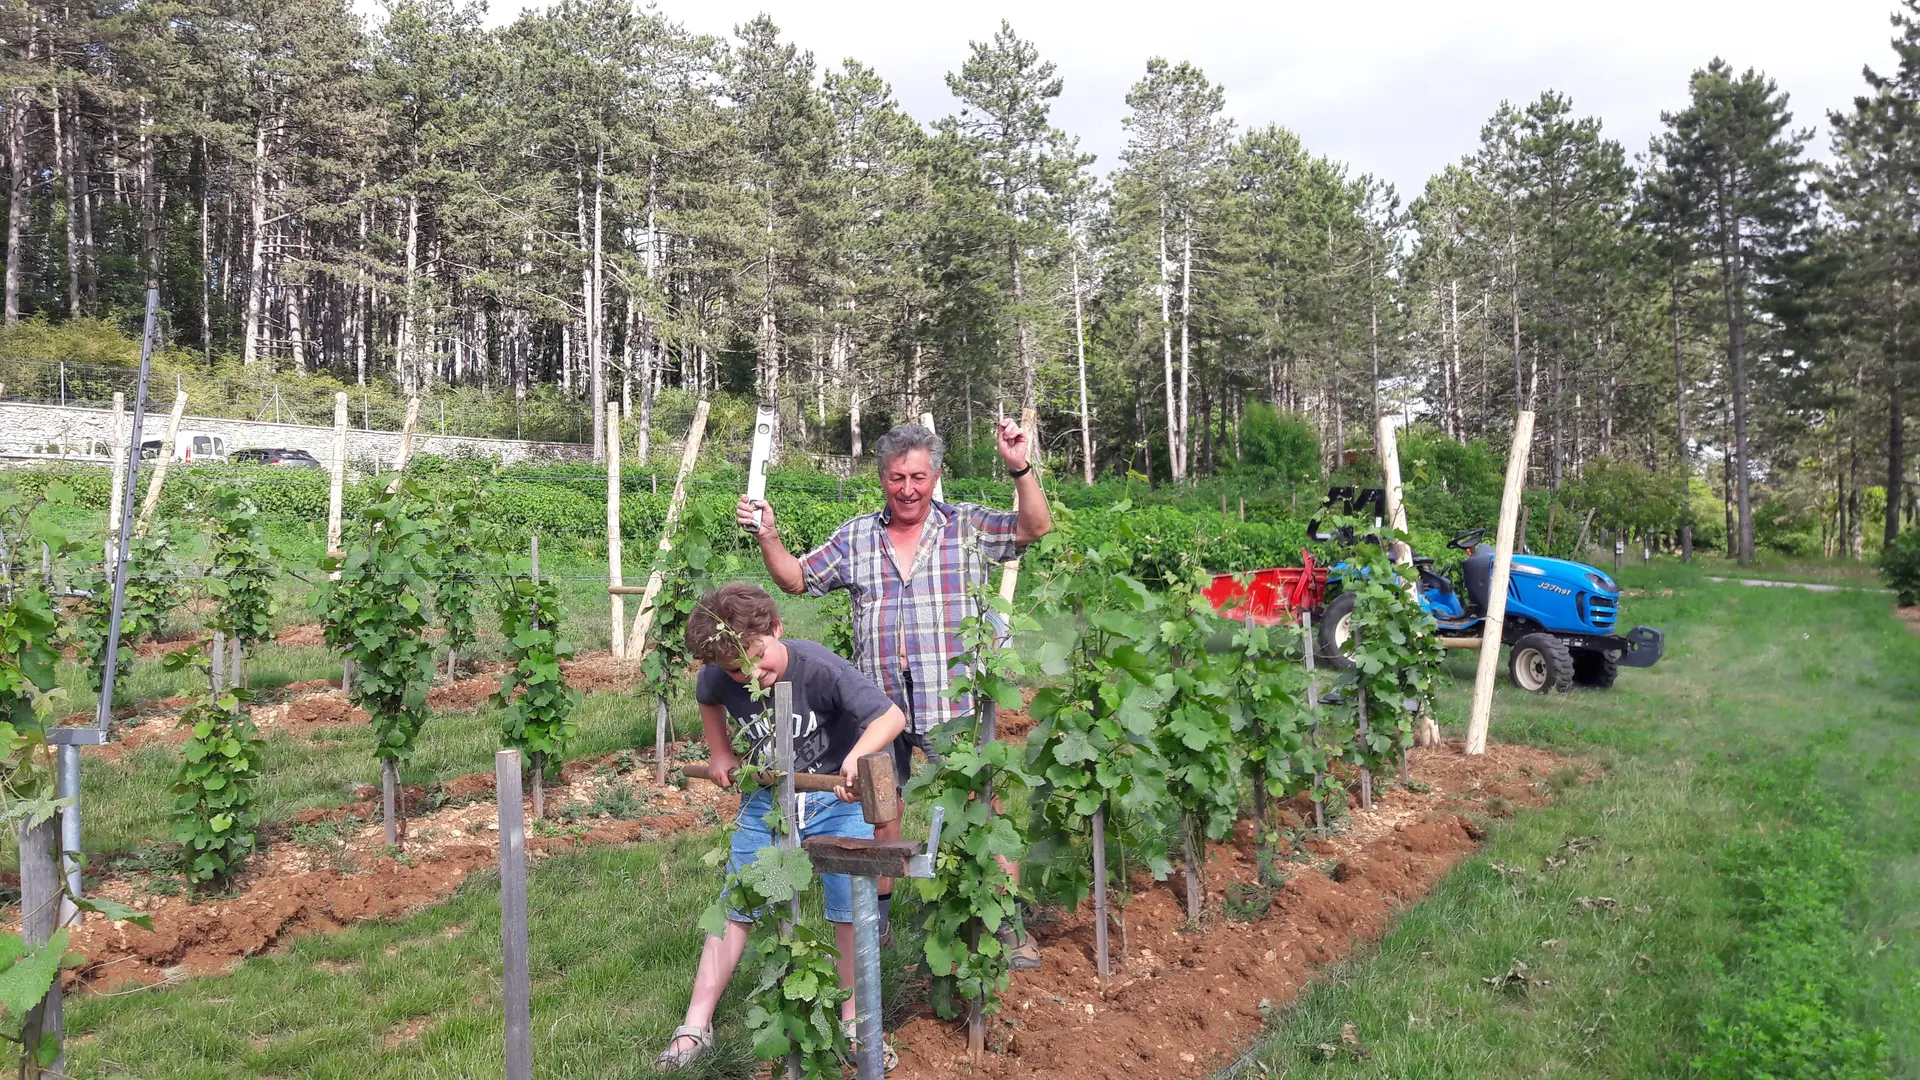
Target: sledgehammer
{"points": [[879, 794]]}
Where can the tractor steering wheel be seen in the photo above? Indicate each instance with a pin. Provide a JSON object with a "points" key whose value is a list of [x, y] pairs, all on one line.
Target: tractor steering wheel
{"points": [[1466, 540]]}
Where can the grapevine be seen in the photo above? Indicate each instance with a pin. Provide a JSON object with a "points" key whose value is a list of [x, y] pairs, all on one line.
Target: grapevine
{"points": [[1270, 728], [151, 592], [1196, 737], [241, 577], [535, 701], [1093, 749], [374, 614], [1396, 656], [29, 694], [214, 816], [459, 536], [971, 895], [794, 995]]}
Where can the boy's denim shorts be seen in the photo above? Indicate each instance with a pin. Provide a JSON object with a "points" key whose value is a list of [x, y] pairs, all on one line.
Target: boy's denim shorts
{"points": [[821, 814]]}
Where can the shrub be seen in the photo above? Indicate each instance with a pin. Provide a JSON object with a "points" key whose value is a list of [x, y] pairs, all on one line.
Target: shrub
{"points": [[1900, 566]]}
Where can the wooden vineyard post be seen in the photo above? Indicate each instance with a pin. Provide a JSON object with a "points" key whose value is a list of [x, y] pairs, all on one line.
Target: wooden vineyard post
{"points": [[336, 501], [513, 915], [40, 896], [614, 579], [1426, 731], [1260, 772], [1010, 571], [1313, 706], [660, 726], [119, 476], [390, 767], [976, 1019], [1482, 714], [406, 444], [939, 489], [1100, 950], [1580, 545], [160, 464], [643, 621], [782, 705]]}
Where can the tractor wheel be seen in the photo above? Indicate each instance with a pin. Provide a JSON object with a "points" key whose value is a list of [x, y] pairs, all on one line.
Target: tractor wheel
{"points": [[1592, 667], [1541, 662], [1335, 630]]}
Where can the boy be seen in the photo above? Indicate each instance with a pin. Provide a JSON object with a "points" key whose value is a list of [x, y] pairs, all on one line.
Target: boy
{"points": [[839, 716]]}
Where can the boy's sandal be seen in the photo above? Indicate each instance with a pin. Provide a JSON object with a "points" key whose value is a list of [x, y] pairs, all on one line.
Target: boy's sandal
{"points": [[888, 1054], [677, 1057]]}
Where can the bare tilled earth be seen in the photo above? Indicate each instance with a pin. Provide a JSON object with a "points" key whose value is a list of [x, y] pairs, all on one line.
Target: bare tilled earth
{"points": [[1182, 1003], [331, 868]]}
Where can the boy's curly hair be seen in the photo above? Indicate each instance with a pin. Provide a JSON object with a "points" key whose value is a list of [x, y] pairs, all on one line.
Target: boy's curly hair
{"points": [[728, 619]]}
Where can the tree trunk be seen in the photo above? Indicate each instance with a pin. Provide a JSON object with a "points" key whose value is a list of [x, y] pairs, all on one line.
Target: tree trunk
{"points": [[19, 103], [1732, 285], [1896, 437], [1186, 351], [595, 316], [149, 198], [206, 254], [257, 241], [1684, 452], [1023, 332], [63, 163], [1166, 351], [1080, 347], [406, 362]]}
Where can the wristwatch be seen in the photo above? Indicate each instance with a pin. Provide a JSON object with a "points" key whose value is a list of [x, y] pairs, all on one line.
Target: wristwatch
{"points": [[1021, 471]]}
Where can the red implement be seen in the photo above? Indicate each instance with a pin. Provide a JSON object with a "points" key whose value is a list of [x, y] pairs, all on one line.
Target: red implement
{"points": [[1275, 595]]}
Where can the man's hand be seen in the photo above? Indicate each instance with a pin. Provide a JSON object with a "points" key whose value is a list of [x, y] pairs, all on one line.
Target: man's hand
{"points": [[721, 766], [1013, 444], [743, 515]]}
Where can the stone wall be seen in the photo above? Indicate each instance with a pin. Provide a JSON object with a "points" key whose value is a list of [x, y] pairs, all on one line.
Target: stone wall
{"points": [[27, 431]]}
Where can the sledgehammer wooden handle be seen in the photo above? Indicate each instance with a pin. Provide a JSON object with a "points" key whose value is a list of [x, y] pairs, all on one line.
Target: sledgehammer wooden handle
{"points": [[879, 795]]}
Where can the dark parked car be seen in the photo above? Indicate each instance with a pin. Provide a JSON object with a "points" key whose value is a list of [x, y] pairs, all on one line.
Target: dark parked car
{"points": [[296, 458]]}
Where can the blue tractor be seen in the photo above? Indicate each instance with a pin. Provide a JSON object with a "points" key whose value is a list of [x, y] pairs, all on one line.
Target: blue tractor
{"points": [[1561, 623]]}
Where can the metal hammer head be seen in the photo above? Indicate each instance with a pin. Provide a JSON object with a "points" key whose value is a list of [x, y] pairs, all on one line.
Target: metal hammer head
{"points": [[879, 793]]}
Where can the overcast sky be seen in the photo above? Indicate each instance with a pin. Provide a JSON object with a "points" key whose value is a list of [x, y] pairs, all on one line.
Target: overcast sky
{"points": [[1392, 87]]}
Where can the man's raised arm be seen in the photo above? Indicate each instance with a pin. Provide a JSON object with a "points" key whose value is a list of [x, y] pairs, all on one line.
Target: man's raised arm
{"points": [[1036, 518], [781, 563]]}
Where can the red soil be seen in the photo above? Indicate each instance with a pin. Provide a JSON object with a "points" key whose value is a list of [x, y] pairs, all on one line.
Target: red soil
{"points": [[1183, 1003]]}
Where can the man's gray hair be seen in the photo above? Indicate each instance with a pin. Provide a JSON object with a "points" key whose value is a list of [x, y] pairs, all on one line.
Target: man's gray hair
{"points": [[907, 437]]}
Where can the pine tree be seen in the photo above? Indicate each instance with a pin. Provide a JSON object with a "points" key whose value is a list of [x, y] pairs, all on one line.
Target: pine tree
{"points": [[1736, 169]]}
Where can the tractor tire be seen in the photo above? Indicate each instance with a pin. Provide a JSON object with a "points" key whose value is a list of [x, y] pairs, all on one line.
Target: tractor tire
{"points": [[1541, 662], [1594, 668], [1335, 630]]}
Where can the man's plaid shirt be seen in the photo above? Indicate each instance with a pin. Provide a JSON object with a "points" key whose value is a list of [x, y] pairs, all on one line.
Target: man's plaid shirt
{"points": [[911, 624]]}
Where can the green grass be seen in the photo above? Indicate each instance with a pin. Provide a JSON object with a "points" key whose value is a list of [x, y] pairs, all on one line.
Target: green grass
{"points": [[1774, 711], [1769, 703]]}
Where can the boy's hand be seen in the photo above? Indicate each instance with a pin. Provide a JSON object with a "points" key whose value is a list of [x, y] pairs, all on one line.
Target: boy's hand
{"points": [[849, 780], [720, 767]]}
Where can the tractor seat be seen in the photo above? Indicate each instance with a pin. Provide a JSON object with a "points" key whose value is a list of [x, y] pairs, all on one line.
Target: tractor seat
{"points": [[1478, 572]]}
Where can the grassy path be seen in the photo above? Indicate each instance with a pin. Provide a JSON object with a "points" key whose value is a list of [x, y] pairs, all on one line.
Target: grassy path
{"points": [[1764, 776]]}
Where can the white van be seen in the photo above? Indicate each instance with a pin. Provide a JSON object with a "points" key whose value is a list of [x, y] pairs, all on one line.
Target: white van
{"points": [[190, 447]]}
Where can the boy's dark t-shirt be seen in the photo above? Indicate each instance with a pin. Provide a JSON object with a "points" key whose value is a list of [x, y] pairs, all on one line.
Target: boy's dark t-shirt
{"points": [[832, 705]]}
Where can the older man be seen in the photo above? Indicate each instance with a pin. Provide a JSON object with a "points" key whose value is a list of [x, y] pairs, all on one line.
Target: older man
{"points": [[908, 567]]}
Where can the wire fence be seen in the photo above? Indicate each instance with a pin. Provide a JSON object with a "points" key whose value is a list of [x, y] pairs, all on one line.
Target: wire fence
{"points": [[541, 416]]}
